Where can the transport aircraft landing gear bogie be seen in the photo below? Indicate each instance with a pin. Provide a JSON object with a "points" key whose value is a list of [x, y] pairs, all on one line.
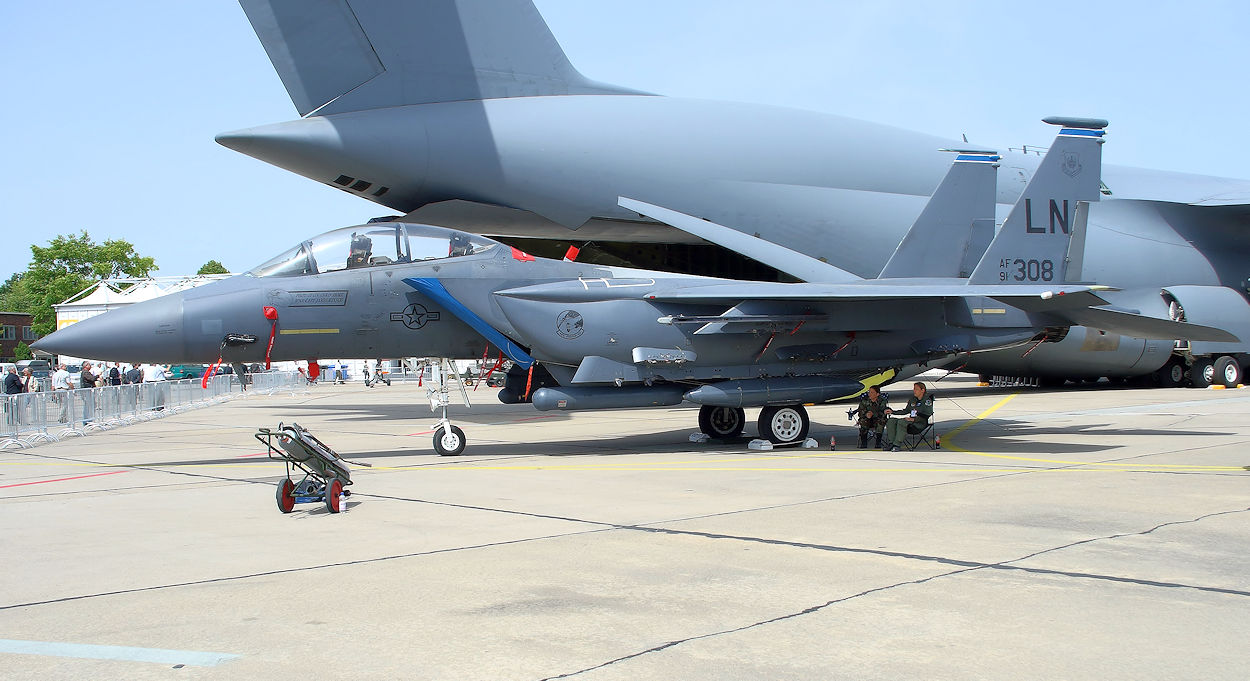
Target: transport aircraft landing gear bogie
{"points": [[784, 425], [721, 423], [1227, 372], [1202, 374], [1171, 375]]}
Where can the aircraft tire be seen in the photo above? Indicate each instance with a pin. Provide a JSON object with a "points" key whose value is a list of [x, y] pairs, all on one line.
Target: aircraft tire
{"points": [[449, 443], [333, 490], [1227, 372], [1202, 374], [285, 496], [784, 425], [1171, 375], [721, 423]]}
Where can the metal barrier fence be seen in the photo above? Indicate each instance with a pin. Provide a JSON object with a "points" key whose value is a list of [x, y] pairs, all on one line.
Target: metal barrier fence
{"points": [[33, 418]]}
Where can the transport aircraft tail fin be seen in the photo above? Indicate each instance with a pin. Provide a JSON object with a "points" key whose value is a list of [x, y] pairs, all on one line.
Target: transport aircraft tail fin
{"points": [[336, 56], [1044, 233], [956, 225]]}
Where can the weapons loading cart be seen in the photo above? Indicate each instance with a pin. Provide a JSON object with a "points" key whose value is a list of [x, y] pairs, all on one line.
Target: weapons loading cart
{"points": [[326, 475]]}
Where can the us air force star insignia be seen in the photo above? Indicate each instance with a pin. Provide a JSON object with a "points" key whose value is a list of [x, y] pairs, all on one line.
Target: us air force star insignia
{"points": [[1071, 163], [415, 316]]}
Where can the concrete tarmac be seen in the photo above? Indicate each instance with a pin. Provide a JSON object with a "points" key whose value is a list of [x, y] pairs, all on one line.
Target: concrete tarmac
{"points": [[1086, 533]]}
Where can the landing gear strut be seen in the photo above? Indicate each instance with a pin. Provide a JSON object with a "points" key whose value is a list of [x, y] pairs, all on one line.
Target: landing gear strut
{"points": [[438, 375]]}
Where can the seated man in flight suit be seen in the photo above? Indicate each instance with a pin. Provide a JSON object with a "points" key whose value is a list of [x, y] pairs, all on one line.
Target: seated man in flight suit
{"points": [[915, 417], [872, 406]]}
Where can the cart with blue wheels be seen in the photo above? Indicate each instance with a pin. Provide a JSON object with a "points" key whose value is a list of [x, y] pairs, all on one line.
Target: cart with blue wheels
{"points": [[326, 474]]}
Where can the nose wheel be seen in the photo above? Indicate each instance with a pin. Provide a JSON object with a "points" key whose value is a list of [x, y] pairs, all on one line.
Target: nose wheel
{"points": [[449, 440]]}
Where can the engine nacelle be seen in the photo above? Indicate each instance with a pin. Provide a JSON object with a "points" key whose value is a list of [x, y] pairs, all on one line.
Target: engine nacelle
{"points": [[1083, 353], [1216, 306]]}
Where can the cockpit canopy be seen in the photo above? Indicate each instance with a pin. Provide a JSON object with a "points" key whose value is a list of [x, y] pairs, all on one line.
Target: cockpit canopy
{"points": [[373, 245]]}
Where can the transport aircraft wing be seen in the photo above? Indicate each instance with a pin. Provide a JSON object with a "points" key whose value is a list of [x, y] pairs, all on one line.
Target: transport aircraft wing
{"points": [[798, 265], [1030, 264]]}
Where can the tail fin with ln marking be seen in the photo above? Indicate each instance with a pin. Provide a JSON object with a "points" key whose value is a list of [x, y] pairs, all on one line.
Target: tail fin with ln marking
{"points": [[1035, 242]]}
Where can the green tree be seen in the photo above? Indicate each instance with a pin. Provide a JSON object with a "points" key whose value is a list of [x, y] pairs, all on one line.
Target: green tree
{"points": [[213, 267], [22, 351], [14, 296], [71, 263]]}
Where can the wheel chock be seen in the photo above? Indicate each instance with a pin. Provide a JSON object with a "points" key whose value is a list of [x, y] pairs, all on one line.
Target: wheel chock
{"points": [[699, 438], [810, 443], [760, 445]]}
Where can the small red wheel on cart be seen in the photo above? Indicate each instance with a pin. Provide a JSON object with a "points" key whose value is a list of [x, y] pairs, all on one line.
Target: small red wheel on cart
{"points": [[334, 492], [285, 496]]}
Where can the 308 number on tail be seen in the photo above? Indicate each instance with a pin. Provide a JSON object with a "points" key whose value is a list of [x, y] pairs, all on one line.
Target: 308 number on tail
{"points": [[1026, 270]]}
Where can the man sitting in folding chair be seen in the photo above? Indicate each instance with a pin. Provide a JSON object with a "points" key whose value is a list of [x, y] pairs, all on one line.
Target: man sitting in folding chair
{"points": [[914, 426], [871, 413]]}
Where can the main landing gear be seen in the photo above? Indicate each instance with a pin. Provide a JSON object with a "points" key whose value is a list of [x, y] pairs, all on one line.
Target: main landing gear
{"points": [[780, 425], [722, 423]]}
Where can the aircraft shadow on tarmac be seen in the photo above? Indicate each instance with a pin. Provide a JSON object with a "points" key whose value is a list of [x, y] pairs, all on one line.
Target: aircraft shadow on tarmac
{"points": [[415, 413], [1021, 437], [998, 436]]}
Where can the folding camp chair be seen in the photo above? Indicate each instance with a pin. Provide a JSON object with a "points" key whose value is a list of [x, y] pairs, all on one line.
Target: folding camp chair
{"points": [[926, 435]]}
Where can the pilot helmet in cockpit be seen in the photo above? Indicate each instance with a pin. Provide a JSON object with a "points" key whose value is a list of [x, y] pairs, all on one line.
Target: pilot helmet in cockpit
{"points": [[361, 249], [459, 245]]}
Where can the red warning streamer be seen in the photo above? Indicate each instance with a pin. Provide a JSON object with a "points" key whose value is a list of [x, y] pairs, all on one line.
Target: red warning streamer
{"points": [[208, 375], [498, 363], [271, 313]]}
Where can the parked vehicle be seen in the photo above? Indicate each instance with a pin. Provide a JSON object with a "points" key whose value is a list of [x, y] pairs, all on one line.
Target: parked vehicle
{"points": [[186, 371], [39, 368]]}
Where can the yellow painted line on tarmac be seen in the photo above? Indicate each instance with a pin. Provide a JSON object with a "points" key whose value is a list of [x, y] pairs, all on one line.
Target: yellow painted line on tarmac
{"points": [[982, 416], [743, 469], [1027, 459]]}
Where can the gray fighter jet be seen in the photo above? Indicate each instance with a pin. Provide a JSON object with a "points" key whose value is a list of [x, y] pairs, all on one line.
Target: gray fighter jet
{"points": [[615, 337], [467, 114]]}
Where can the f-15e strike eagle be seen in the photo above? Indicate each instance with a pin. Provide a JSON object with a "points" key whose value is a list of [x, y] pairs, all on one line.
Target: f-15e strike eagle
{"points": [[616, 337], [468, 114]]}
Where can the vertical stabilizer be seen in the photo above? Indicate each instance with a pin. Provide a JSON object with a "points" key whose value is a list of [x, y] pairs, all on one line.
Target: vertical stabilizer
{"points": [[956, 225], [349, 55], [1033, 245]]}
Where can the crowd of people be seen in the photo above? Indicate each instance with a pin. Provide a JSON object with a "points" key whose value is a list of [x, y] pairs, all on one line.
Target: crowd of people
{"points": [[89, 376]]}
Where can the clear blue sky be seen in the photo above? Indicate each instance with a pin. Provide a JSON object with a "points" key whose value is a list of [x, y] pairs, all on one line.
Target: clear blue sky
{"points": [[109, 109]]}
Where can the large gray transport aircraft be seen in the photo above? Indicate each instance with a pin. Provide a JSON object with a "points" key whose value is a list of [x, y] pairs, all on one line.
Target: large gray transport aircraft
{"points": [[467, 114], [615, 337]]}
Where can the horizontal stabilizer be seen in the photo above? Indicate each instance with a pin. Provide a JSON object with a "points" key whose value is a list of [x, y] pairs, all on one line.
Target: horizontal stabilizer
{"points": [[798, 265]]}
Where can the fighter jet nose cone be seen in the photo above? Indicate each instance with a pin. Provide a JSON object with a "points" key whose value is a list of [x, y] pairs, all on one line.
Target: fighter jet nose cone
{"points": [[150, 331]]}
